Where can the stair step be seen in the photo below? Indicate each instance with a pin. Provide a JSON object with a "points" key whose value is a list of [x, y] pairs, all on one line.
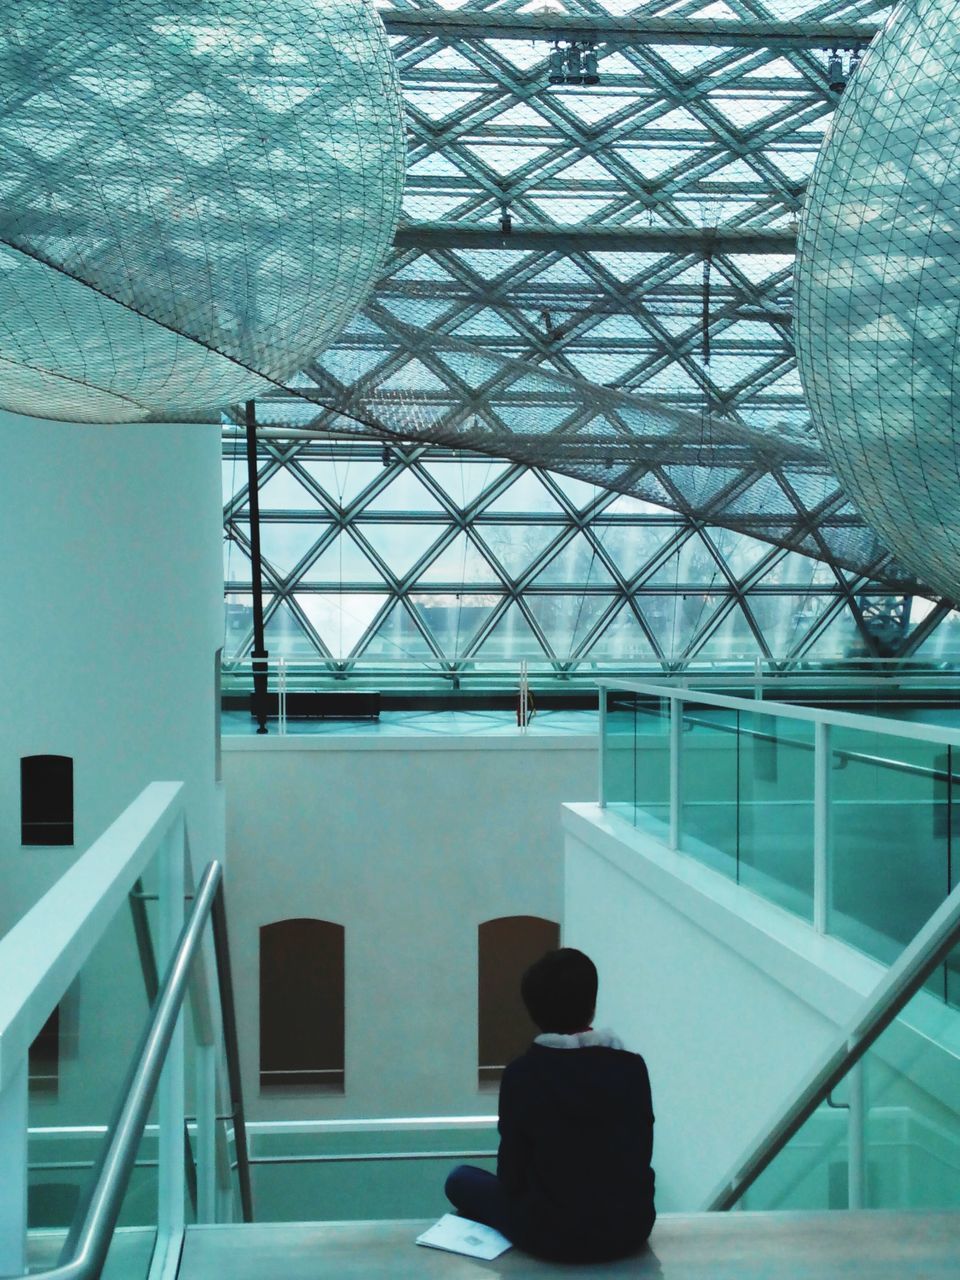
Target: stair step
{"points": [[877, 1245]]}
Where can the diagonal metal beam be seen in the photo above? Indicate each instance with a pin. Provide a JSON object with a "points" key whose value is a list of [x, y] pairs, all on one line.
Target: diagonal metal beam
{"points": [[613, 31], [596, 239]]}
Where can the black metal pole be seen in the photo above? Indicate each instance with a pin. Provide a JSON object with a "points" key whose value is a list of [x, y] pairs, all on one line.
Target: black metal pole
{"points": [[259, 654], [151, 984], [228, 1012]]}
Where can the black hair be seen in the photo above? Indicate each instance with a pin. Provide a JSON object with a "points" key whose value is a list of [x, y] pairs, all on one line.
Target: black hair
{"points": [[560, 991]]}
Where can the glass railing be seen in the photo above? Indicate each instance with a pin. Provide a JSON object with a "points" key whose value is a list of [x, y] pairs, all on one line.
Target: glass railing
{"points": [[288, 683], [120, 1144], [363, 1169], [889, 1135], [849, 821], [73, 1097], [874, 1124]]}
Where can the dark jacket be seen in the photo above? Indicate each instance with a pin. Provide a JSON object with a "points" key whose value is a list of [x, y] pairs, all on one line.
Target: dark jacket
{"points": [[576, 1138]]}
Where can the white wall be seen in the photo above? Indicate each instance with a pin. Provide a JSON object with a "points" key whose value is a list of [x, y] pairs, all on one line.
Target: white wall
{"points": [[730, 999], [410, 843], [112, 613], [111, 616]]}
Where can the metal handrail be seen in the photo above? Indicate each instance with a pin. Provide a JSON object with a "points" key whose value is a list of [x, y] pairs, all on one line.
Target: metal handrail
{"points": [[228, 1015], [838, 753], [903, 980], [88, 1240], [930, 733], [151, 983]]}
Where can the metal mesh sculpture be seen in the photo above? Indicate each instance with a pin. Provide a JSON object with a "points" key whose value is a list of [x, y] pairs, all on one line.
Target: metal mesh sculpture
{"points": [[879, 290], [192, 195], [196, 200], [773, 485]]}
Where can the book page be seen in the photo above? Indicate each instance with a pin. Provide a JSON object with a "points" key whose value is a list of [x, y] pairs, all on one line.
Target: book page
{"points": [[460, 1235]]}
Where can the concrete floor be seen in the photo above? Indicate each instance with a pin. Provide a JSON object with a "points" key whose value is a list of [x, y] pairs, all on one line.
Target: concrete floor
{"points": [[734, 1246]]}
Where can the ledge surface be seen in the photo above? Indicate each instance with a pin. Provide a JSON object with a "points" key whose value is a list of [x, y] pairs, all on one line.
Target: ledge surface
{"points": [[734, 1246]]}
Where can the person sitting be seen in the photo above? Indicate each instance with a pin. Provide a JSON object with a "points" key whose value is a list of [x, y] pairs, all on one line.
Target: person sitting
{"points": [[574, 1181]]}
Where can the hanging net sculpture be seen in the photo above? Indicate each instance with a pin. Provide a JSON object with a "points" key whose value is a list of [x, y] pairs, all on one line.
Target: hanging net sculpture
{"points": [[773, 485], [193, 195], [196, 200], [878, 290]]}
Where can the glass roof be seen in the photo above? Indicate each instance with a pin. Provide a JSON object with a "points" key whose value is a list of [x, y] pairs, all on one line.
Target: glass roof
{"points": [[664, 372], [426, 563], [642, 485]]}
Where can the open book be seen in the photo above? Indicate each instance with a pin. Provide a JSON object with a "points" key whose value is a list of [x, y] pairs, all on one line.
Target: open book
{"points": [[460, 1235]]}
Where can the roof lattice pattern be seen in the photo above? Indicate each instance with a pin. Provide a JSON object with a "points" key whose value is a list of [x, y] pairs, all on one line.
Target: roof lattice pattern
{"points": [[428, 563], [593, 359], [673, 139]]}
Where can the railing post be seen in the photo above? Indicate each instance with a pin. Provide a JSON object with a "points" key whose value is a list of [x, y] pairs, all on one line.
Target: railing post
{"points": [[171, 1151], [206, 1085], [14, 1119], [676, 723], [602, 746], [282, 695], [856, 1146], [821, 824]]}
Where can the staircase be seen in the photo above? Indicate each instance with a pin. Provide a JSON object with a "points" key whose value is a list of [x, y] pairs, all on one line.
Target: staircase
{"points": [[738, 1246], [868, 1245], [703, 1246]]}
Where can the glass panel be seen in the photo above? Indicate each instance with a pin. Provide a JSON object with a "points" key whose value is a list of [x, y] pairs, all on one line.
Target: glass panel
{"points": [[348, 1176], [454, 620], [516, 546], [78, 1069], [285, 636], [576, 563], [775, 790], [709, 747], [397, 641], [465, 479], [912, 1123], [342, 561], [911, 1126], [619, 748], [636, 762], [622, 643], [284, 543], [510, 639], [567, 620], [460, 562], [811, 1171], [400, 546], [889, 862], [652, 760], [674, 620]]}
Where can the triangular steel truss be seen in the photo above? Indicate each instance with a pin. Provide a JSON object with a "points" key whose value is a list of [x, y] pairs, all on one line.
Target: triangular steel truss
{"points": [[552, 353]]}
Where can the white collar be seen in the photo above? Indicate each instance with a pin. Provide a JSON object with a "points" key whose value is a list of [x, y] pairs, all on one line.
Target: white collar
{"points": [[580, 1040]]}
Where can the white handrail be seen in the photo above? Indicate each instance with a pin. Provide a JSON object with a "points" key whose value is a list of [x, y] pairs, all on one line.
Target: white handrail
{"points": [[787, 711], [45, 950], [42, 955]]}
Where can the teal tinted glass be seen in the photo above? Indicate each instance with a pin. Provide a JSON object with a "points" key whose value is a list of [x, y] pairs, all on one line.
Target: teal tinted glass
{"points": [[775, 809], [709, 747], [619, 749], [890, 839], [652, 759], [343, 1175], [904, 1104]]}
